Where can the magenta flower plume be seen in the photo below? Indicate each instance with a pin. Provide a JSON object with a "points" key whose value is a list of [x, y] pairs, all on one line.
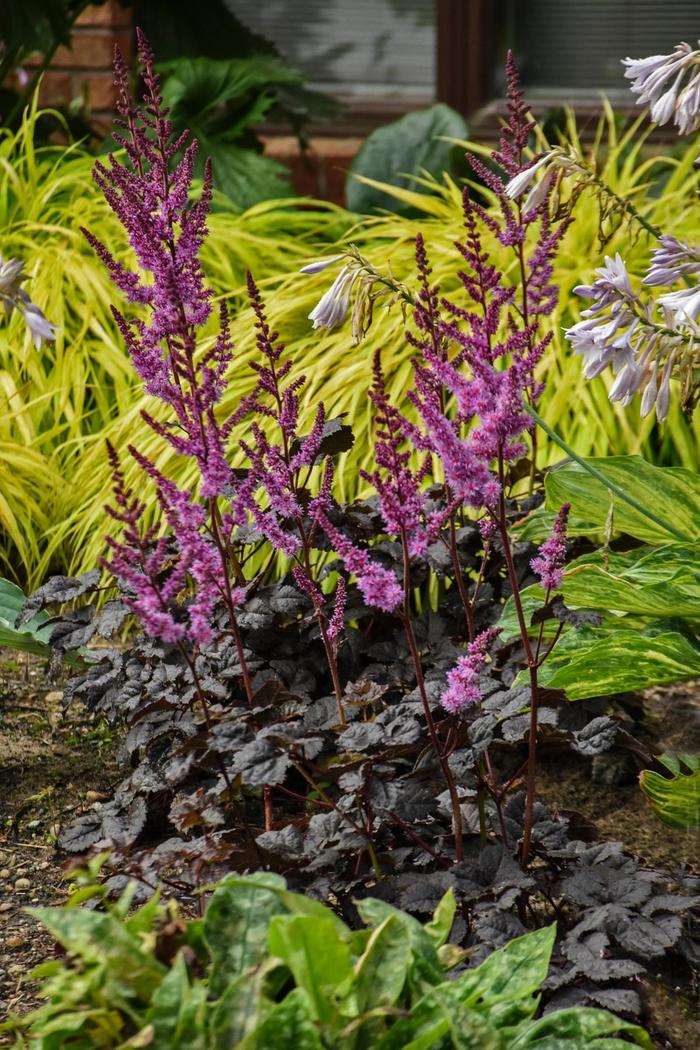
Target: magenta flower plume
{"points": [[378, 586], [397, 484], [463, 680], [549, 563]]}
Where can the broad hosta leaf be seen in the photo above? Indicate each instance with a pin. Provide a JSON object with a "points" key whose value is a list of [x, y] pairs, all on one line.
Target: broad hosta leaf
{"points": [[32, 636], [651, 581], [236, 925], [675, 799], [394, 153], [618, 658], [672, 494]]}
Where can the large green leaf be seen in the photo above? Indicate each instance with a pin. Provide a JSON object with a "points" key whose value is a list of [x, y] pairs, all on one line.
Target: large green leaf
{"points": [[318, 959], [218, 101], [31, 637], [577, 1029], [620, 657], [398, 152], [99, 938], [236, 925], [515, 971], [178, 1012], [289, 1025], [675, 799], [381, 971], [671, 494], [373, 912]]}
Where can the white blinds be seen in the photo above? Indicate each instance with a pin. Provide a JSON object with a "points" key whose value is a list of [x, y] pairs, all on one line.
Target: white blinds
{"points": [[365, 48], [577, 45]]}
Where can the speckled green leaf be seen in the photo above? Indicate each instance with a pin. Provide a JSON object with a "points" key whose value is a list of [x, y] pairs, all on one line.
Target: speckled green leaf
{"points": [[317, 958], [288, 1026], [577, 1029], [236, 925]]}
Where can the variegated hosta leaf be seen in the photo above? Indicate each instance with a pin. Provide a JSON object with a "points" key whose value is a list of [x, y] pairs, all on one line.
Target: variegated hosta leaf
{"points": [[671, 494], [675, 799]]}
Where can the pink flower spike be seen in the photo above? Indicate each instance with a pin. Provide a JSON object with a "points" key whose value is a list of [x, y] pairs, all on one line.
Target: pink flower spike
{"points": [[549, 564], [463, 680]]}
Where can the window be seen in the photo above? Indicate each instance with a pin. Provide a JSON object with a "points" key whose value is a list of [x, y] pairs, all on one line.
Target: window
{"points": [[359, 50]]}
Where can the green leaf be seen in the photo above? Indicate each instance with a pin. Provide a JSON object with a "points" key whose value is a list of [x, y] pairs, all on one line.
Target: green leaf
{"points": [[438, 929], [675, 799], [438, 1015], [581, 1024], [622, 655], [218, 101], [373, 912], [504, 986], [178, 1012], [31, 637], [288, 1026], [651, 581], [239, 1010], [398, 152], [99, 938], [671, 494], [380, 973], [236, 925], [317, 958]]}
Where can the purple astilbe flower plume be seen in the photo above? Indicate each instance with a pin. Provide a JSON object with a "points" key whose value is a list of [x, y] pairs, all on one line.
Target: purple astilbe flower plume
{"points": [[378, 586], [549, 563], [150, 195], [397, 484], [463, 680]]}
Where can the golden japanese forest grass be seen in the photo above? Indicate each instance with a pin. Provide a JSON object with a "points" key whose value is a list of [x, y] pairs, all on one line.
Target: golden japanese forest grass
{"points": [[58, 405]]}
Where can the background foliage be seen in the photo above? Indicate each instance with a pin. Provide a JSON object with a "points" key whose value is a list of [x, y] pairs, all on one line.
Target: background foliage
{"points": [[58, 405]]}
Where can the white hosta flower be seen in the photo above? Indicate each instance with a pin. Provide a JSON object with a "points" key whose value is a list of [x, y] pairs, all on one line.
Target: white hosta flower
{"points": [[333, 305], [37, 324], [672, 261], [520, 182], [649, 394], [14, 297], [11, 277], [651, 82], [320, 264], [663, 397], [683, 305]]}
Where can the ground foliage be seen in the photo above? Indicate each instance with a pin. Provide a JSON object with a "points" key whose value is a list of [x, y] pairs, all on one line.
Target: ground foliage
{"points": [[363, 808], [268, 969]]}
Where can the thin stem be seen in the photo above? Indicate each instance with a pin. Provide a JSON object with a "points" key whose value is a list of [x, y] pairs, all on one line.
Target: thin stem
{"points": [[459, 580], [420, 681]]}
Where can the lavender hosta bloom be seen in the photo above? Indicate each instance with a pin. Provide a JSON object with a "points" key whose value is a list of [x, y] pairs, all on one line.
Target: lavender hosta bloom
{"points": [[672, 261], [549, 563], [333, 305], [659, 80], [14, 297], [683, 305], [463, 680], [521, 182], [320, 264]]}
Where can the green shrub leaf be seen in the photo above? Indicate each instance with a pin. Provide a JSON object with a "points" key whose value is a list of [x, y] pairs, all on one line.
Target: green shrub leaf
{"points": [[398, 152], [317, 958], [675, 799], [236, 925]]}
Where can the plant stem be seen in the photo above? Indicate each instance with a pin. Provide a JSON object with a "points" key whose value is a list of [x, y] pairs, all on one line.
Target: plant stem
{"points": [[420, 681], [532, 671]]}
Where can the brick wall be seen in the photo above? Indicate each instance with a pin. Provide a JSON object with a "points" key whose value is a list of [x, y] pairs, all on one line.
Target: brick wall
{"points": [[84, 70]]}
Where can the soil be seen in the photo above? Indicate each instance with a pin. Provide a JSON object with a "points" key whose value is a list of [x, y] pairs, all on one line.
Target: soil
{"points": [[55, 763]]}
